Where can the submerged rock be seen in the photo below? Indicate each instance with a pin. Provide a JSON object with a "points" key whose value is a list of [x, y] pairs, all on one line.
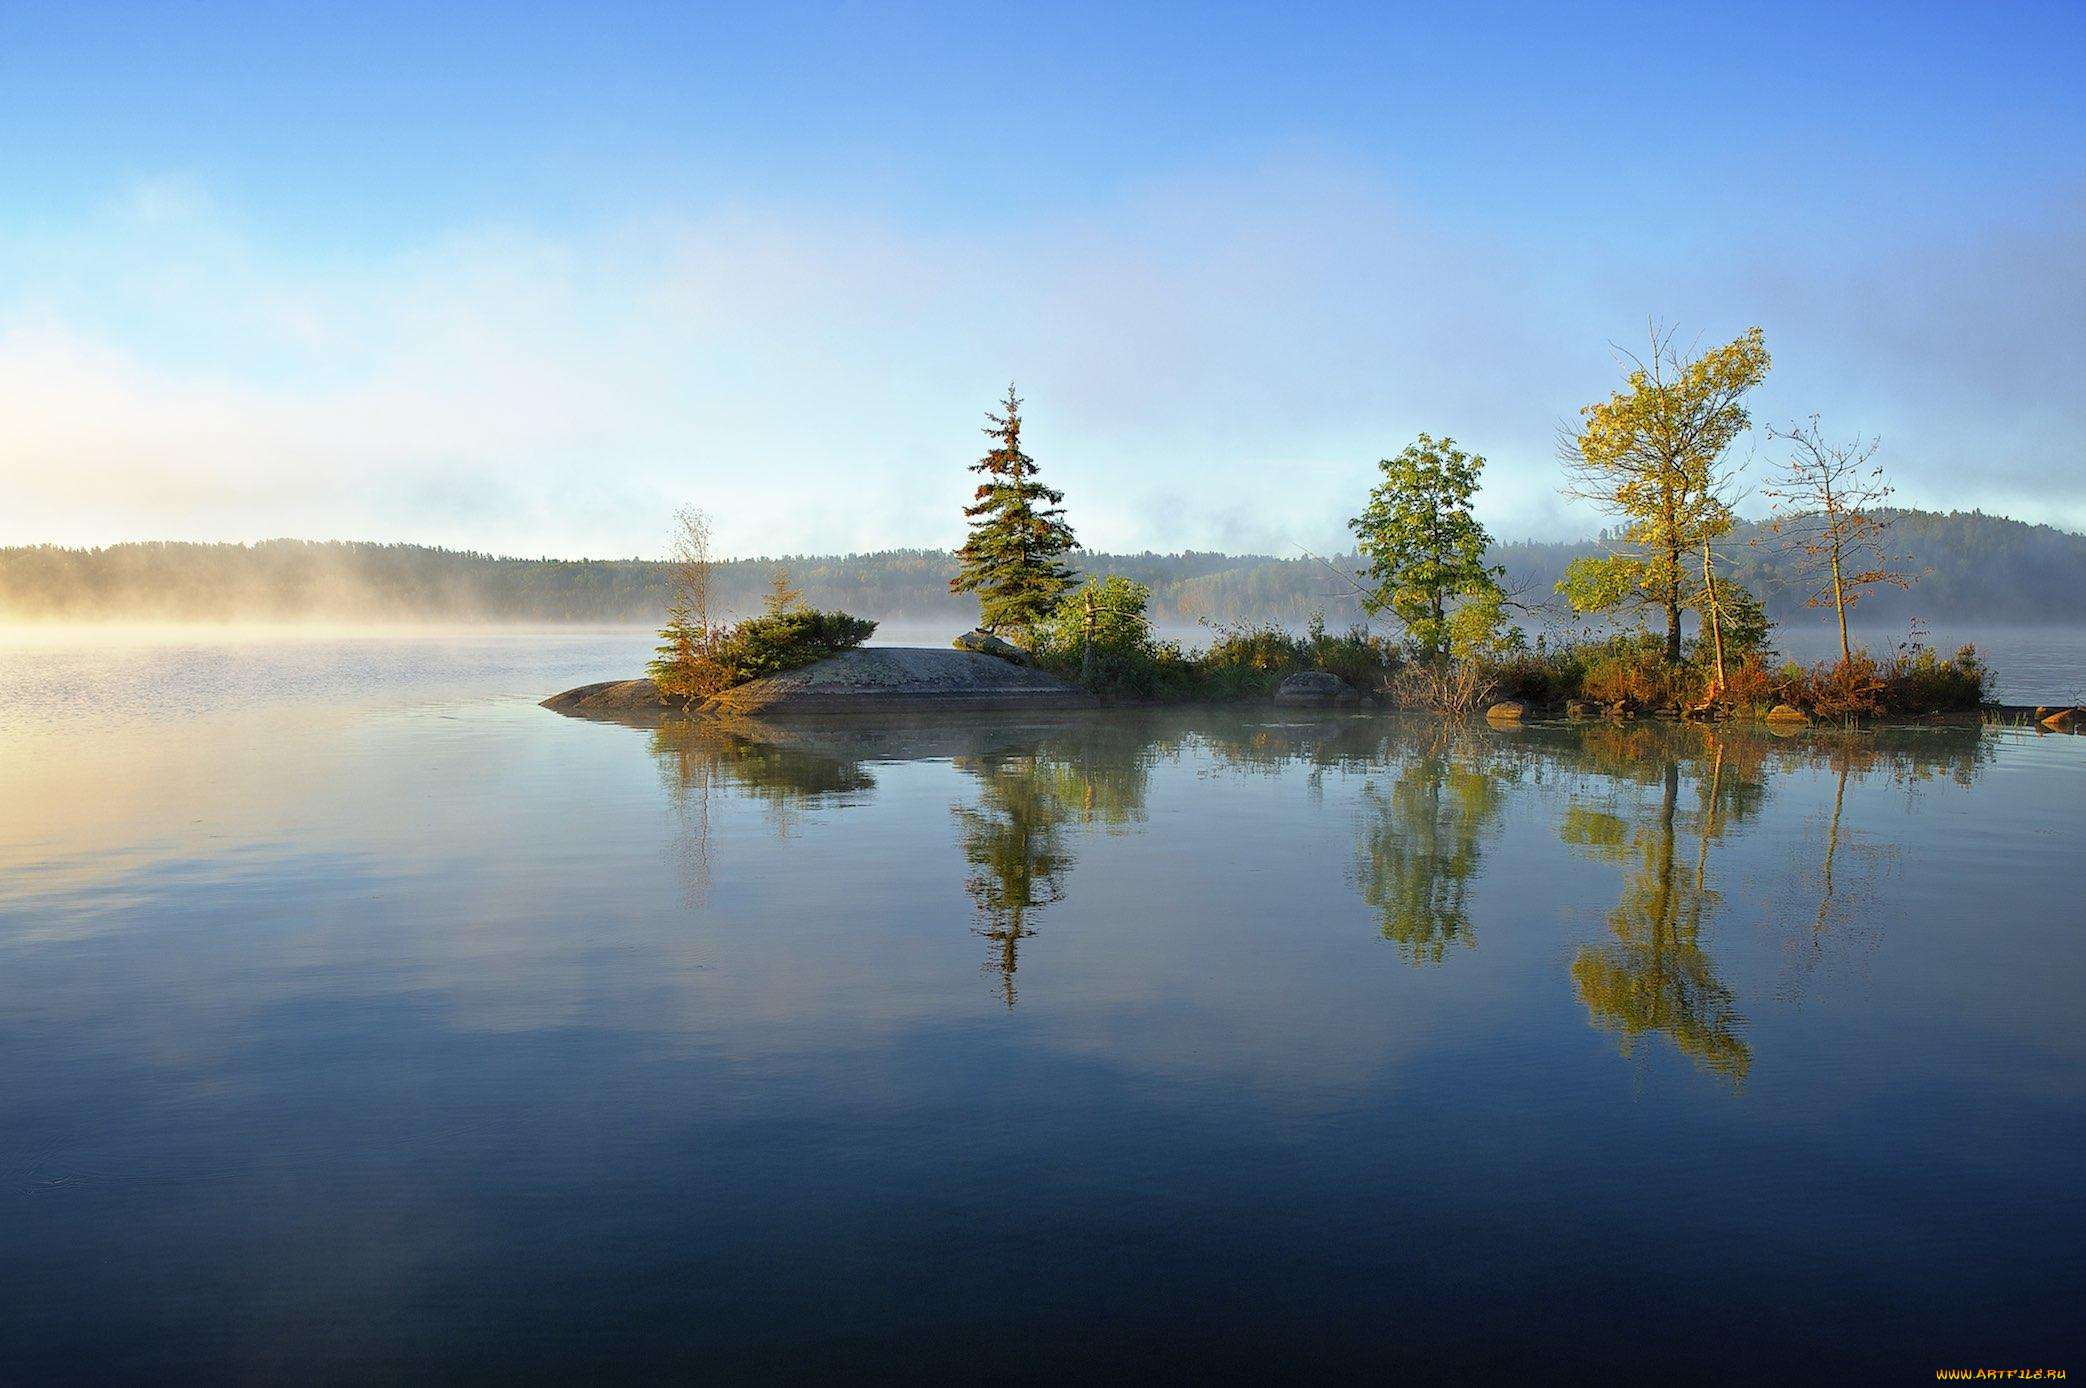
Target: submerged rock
{"points": [[1315, 689], [1507, 711], [1787, 713]]}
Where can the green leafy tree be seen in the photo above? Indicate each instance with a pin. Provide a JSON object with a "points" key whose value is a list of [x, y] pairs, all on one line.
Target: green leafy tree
{"points": [[1012, 559], [1105, 616], [1426, 551], [1652, 455]]}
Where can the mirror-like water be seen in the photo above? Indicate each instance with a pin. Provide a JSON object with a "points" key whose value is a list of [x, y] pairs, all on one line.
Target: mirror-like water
{"points": [[359, 1019]]}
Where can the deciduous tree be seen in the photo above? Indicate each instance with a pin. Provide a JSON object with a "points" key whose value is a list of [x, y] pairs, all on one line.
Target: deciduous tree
{"points": [[1426, 551], [1827, 499], [1652, 455]]}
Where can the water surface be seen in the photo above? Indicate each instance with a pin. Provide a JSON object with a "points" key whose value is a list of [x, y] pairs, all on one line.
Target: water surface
{"points": [[360, 1019]]}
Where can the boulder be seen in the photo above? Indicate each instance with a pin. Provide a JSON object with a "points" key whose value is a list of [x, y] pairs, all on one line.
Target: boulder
{"points": [[1787, 713], [1315, 689], [1507, 711], [985, 643], [2059, 719]]}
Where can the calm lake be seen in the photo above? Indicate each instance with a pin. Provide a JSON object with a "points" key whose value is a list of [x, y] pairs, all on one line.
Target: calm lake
{"points": [[361, 1020]]}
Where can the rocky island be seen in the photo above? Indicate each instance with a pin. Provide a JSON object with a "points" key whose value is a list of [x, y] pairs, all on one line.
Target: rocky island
{"points": [[867, 679]]}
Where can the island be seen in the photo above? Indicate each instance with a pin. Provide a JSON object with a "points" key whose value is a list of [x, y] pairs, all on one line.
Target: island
{"points": [[865, 679]]}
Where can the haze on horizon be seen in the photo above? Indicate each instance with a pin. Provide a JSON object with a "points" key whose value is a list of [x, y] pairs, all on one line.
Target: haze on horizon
{"points": [[525, 281]]}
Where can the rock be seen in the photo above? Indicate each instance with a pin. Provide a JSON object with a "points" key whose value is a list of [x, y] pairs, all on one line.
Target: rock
{"points": [[1581, 708], [900, 680], [897, 681], [611, 699], [1315, 689], [985, 643], [1787, 713], [2059, 719], [1507, 711]]}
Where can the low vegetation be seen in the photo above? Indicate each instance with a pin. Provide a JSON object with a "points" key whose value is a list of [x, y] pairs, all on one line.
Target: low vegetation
{"points": [[698, 657]]}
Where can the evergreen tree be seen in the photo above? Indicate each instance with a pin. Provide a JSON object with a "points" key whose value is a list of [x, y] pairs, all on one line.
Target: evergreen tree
{"points": [[1018, 534], [782, 595]]}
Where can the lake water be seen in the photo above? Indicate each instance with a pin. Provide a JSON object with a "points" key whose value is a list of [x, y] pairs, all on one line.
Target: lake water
{"points": [[361, 1020]]}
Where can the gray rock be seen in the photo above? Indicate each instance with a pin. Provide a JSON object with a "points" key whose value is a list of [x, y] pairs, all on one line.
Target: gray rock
{"points": [[1315, 689], [985, 643], [890, 680]]}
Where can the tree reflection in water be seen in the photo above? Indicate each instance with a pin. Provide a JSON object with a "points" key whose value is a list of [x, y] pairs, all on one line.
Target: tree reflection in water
{"points": [[1655, 976], [1422, 840], [1651, 799], [786, 774], [1013, 838]]}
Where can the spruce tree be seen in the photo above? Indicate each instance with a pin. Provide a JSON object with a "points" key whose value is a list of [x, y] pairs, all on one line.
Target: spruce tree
{"points": [[1018, 534]]}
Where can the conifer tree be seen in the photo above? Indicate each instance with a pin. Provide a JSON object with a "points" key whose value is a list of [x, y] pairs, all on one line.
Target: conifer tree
{"points": [[1018, 534]]}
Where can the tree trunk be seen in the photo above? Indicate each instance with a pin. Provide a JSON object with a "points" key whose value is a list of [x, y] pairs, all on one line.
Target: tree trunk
{"points": [[1716, 618], [1839, 602]]}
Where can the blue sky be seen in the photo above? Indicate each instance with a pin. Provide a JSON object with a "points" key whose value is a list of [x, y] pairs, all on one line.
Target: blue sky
{"points": [[524, 278]]}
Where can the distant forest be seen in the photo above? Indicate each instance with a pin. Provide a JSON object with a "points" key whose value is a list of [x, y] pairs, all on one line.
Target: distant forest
{"points": [[1974, 567]]}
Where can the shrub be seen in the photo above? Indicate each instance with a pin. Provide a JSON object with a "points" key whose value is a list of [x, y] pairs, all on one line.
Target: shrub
{"points": [[1846, 689], [1545, 675], [1445, 686], [1918, 680], [1749, 684], [1364, 661], [778, 641], [1265, 648], [1633, 670], [694, 663]]}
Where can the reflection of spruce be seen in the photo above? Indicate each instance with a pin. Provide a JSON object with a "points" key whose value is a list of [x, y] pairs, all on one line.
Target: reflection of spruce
{"points": [[1013, 839]]}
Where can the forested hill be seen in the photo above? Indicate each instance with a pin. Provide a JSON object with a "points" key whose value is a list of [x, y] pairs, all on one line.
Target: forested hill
{"points": [[1975, 568]]}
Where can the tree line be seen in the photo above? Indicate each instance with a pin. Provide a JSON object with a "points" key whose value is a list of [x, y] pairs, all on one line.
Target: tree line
{"points": [[1973, 567]]}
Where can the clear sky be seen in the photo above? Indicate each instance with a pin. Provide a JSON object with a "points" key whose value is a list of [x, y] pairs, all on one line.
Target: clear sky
{"points": [[524, 278]]}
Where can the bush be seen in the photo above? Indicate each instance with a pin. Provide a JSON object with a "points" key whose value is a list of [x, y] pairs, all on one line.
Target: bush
{"points": [[1633, 671], [1846, 689], [1452, 687], [778, 641], [1267, 649], [1918, 680], [1364, 661], [1751, 685], [1545, 675], [694, 663]]}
